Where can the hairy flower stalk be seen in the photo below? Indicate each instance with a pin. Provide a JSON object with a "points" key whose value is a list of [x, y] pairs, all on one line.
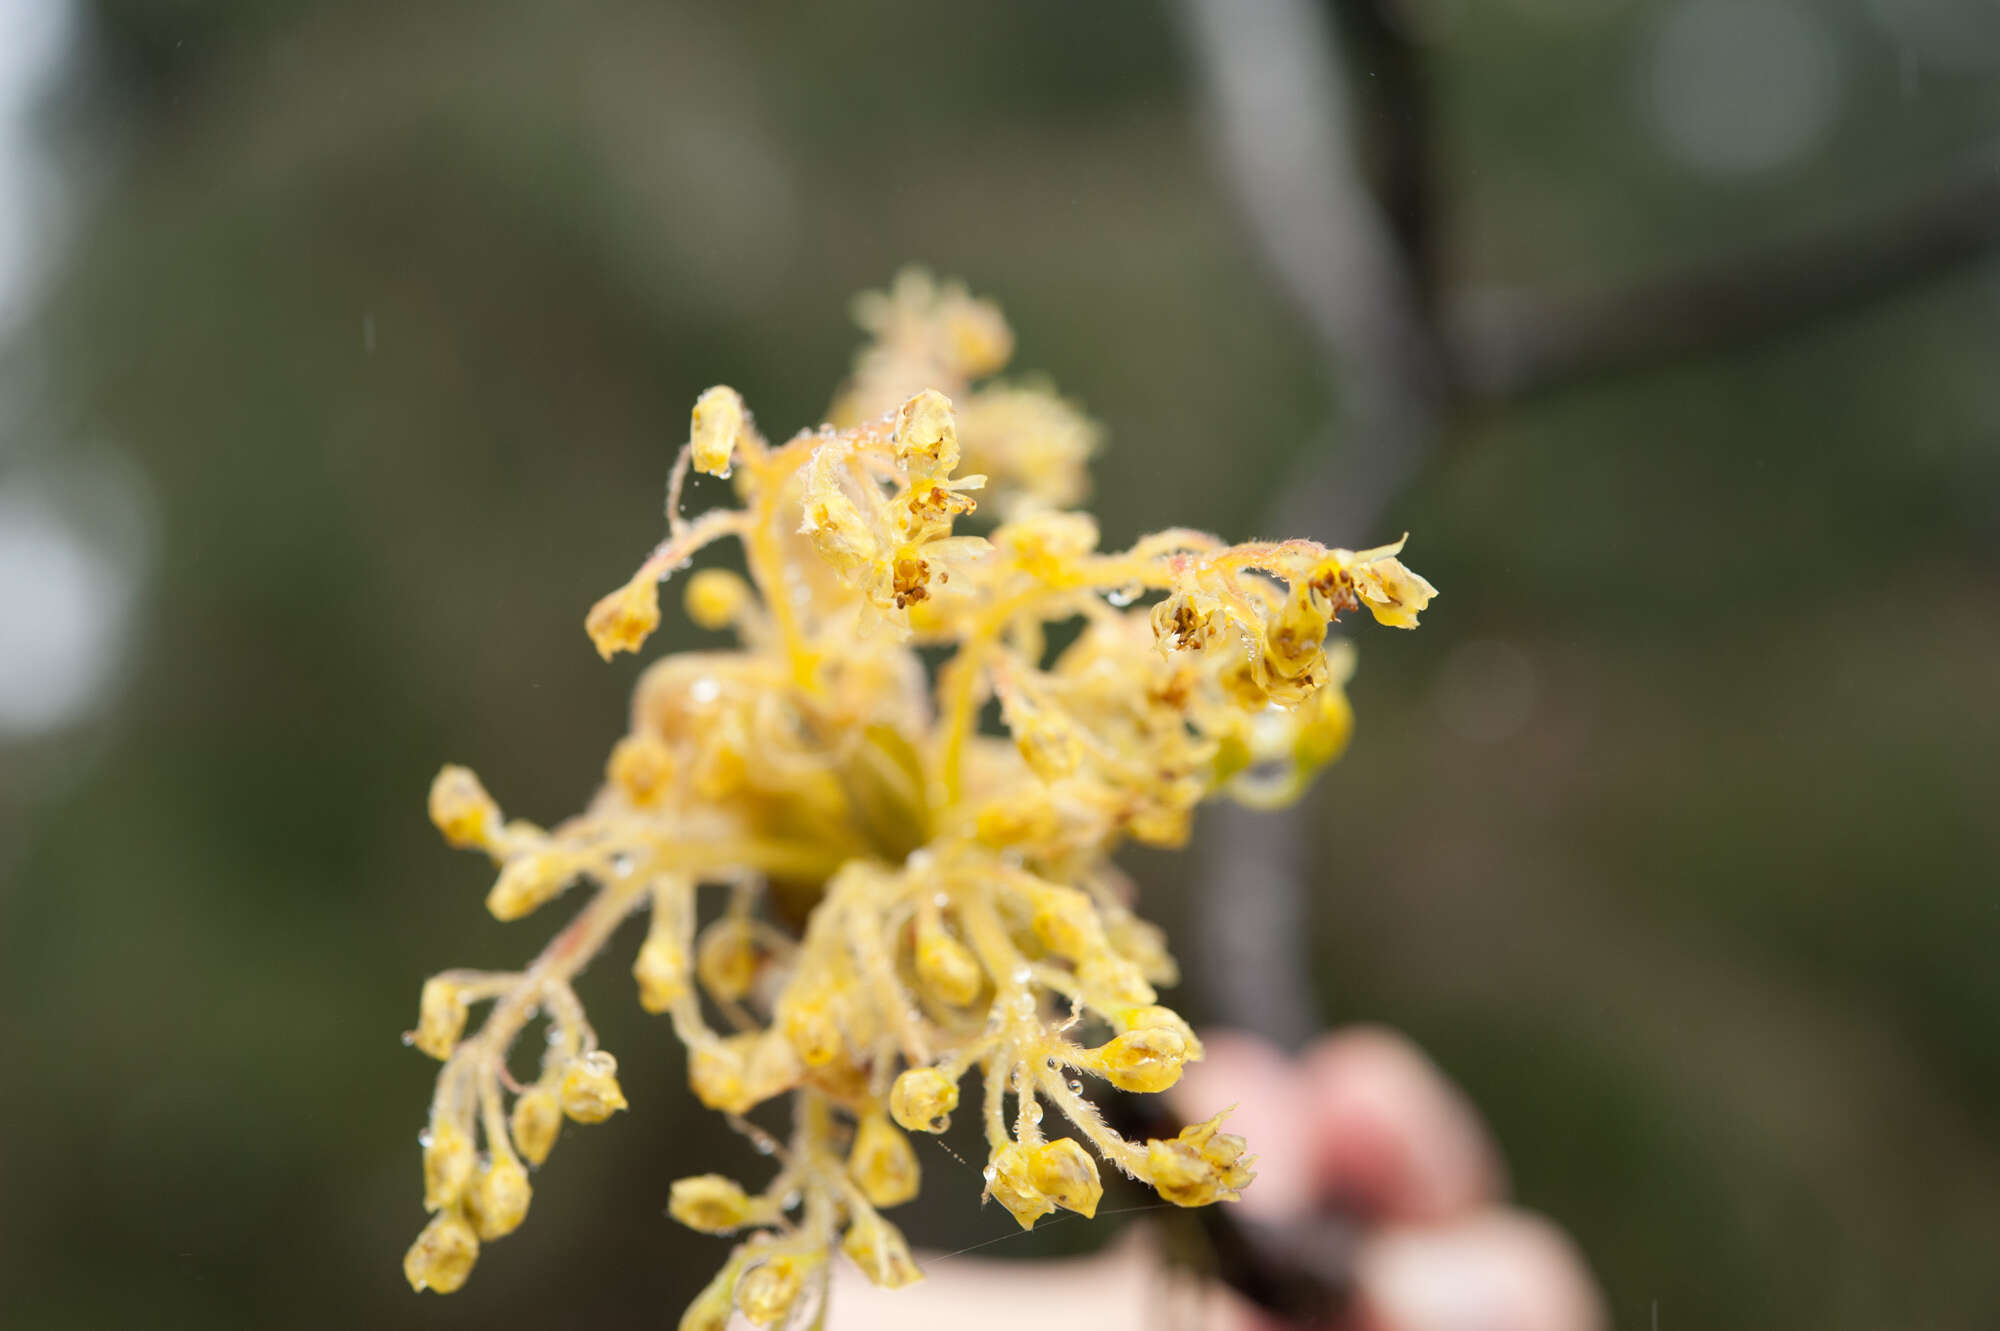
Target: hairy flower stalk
{"points": [[906, 907]]}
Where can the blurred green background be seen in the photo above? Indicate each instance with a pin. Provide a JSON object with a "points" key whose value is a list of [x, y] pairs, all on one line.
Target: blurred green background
{"points": [[359, 347]]}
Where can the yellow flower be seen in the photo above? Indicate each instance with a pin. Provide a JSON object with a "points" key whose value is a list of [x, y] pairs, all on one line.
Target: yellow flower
{"points": [[855, 885]]}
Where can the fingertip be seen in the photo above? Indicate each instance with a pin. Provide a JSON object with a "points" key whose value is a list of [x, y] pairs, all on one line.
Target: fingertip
{"points": [[1390, 1135], [1496, 1271]]}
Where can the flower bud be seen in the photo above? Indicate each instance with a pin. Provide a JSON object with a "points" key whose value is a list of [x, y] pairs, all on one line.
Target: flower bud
{"points": [[1200, 1166], [741, 1072], [443, 1254], [1048, 742], [877, 1247], [621, 621], [527, 883], [715, 597], [714, 427], [978, 335], [662, 972], [589, 1088], [1066, 922], [726, 958], [1009, 1181], [922, 1099], [440, 1018], [1064, 1171], [709, 1203], [881, 1162], [1146, 1060], [809, 1024], [536, 1120], [766, 1292], [448, 1162], [1143, 1015], [461, 808], [946, 967], [1113, 979], [641, 767], [499, 1198]]}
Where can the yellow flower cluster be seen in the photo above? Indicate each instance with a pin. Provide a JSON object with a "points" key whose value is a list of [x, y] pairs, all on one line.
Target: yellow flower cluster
{"points": [[902, 900]]}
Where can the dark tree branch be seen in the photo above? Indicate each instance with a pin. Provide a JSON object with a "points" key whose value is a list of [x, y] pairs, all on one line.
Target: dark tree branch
{"points": [[1509, 348]]}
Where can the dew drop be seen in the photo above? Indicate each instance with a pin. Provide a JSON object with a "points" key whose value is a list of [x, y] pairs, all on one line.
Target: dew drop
{"points": [[941, 1122], [1075, 1086], [704, 690], [1122, 596], [1034, 1111], [424, 1139], [409, 1038], [764, 1145], [622, 865]]}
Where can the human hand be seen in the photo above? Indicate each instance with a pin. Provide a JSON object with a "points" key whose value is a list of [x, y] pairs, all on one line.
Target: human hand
{"points": [[1362, 1122]]}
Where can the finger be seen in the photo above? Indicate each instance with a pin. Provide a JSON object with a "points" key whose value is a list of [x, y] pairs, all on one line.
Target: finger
{"points": [[1389, 1136], [1272, 1113], [1499, 1270]]}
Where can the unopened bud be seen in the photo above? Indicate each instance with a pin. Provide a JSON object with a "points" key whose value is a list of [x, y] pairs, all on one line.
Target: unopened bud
{"points": [[878, 1248], [766, 1292], [440, 1018], [1064, 1171], [1148, 1059], [714, 427], [922, 1099], [527, 883], [499, 1198], [882, 1163], [709, 1203], [947, 967], [461, 808], [443, 1254], [589, 1089], [536, 1120], [715, 597], [448, 1162]]}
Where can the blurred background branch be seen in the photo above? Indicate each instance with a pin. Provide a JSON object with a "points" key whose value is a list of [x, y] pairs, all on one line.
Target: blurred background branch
{"points": [[1358, 258]]}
